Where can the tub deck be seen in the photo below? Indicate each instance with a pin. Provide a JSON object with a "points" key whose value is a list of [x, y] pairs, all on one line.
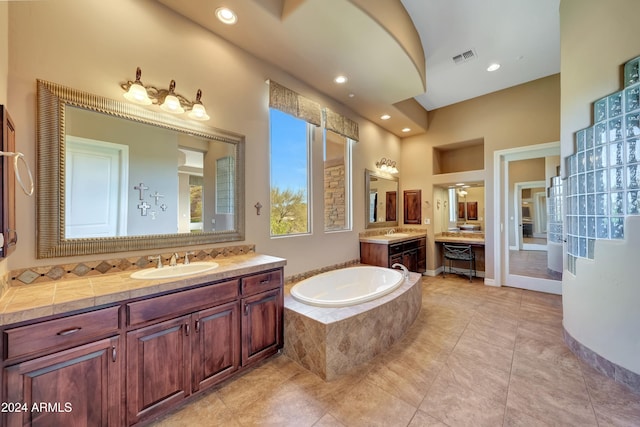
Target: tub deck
{"points": [[331, 341]]}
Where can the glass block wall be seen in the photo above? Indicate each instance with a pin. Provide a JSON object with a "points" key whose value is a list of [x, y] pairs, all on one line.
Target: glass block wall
{"points": [[555, 217], [603, 182]]}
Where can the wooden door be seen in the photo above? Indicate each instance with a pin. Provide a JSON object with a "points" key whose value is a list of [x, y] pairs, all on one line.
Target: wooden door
{"points": [[261, 325], [390, 209], [412, 206], [75, 387], [216, 345], [158, 367]]}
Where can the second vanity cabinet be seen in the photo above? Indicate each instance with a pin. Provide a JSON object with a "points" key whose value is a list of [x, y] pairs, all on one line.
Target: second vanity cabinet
{"points": [[125, 364], [410, 252]]}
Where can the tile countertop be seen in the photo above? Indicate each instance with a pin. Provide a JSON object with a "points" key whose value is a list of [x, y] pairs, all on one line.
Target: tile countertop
{"points": [[392, 238], [28, 302], [470, 238]]}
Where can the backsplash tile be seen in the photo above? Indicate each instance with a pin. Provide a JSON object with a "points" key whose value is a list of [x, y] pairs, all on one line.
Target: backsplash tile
{"points": [[28, 276]]}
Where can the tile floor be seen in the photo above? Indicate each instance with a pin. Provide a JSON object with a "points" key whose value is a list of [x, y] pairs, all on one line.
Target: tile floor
{"points": [[476, 356]]}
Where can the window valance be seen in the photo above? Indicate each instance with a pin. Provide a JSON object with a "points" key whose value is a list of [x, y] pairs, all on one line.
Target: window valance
{"points": [[290, 102], [341, 125]]}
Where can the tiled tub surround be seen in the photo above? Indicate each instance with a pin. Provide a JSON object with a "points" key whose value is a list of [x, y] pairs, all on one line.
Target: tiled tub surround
{"points": [[333, 341], [21, 303]]}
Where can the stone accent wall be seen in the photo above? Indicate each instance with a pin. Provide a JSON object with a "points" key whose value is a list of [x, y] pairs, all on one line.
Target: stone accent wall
{"points": [[335, 207]]}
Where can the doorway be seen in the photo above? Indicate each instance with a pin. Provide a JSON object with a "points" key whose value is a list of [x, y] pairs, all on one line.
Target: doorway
{"points": [[520, 256]]}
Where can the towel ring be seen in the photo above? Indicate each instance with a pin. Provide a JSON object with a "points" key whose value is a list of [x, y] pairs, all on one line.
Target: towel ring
{"points": [[16, 156]]}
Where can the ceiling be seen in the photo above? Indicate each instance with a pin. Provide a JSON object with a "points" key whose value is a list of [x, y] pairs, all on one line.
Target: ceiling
{"points": [[396, 54]]}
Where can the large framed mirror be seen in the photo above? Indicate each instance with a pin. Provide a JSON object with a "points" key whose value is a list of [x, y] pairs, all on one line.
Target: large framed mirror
{"points": [[381, 200], [116, 177]]}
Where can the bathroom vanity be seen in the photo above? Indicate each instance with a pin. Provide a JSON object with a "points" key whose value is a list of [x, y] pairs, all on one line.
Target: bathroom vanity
{"points": [[385, 250], [156, 344]]}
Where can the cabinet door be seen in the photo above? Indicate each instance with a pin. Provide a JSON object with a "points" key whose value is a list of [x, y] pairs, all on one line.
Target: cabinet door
{"points": [[158, 367], [410, 259], [216, 345], [75, 387], [261, 325]]}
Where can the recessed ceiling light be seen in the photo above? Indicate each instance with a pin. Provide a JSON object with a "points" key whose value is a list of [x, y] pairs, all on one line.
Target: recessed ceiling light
{"points": [[226, 15], [385, 117], [493, 67], [406, 130], [340, 79]]}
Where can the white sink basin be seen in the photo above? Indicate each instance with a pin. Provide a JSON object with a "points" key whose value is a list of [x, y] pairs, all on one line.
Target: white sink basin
{"points": [[176, 271]]}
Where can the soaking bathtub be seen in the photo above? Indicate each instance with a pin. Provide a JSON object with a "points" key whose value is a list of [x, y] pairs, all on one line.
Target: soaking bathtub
{"points": [[347, 286], [333, 340]]}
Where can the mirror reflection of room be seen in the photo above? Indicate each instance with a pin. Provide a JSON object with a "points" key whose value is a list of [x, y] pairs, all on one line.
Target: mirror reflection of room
{"points": [[528, 244], [128, 179]]}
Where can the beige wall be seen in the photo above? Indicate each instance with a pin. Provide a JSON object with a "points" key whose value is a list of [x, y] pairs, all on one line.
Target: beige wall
{"points": [[597, 38], [94, 45], [524, 115]]}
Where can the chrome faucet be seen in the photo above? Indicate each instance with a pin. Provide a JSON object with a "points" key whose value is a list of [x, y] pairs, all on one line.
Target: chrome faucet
{"points": [[390, 232], [174, 259], [157, 258], [186, 257], [405, 270]]}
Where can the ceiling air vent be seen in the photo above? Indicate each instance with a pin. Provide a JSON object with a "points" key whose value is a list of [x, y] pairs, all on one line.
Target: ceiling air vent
{"points": [[464, 56]]}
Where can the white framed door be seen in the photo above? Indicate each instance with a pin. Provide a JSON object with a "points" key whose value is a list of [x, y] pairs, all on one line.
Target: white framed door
{"points": [[503, 221], [96, 174]]}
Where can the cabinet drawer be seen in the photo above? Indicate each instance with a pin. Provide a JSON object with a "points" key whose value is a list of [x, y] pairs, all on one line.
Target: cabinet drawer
{"points": [[413, 244], [60, 333], [395, 248], [261, 282], [181, 302]]}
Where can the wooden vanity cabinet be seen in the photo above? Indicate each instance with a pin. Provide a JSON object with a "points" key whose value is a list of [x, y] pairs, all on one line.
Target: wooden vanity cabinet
{"points": [[62, 372], [128, 363], [412, 253], [170, 358], [262, 316]]}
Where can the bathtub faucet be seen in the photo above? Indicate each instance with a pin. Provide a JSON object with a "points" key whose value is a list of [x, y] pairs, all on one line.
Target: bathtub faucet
{"points": [[405, 270]]}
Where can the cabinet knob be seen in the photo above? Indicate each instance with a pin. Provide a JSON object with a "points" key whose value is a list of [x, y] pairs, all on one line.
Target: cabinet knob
{"points": [[113, 353]]}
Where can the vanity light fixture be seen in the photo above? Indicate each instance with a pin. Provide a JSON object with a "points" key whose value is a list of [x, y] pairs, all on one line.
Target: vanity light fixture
{"points": [[136, 92], [168, 99], [387, 165]]}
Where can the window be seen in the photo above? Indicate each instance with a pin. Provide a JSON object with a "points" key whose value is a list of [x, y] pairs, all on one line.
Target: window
{"points": [[224, 185], [337, 182], [196, 184], [290, 195]]}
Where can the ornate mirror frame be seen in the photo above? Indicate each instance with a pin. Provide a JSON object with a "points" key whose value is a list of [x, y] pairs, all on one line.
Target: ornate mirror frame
{"points": [[368, 174], [50, 213]]}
